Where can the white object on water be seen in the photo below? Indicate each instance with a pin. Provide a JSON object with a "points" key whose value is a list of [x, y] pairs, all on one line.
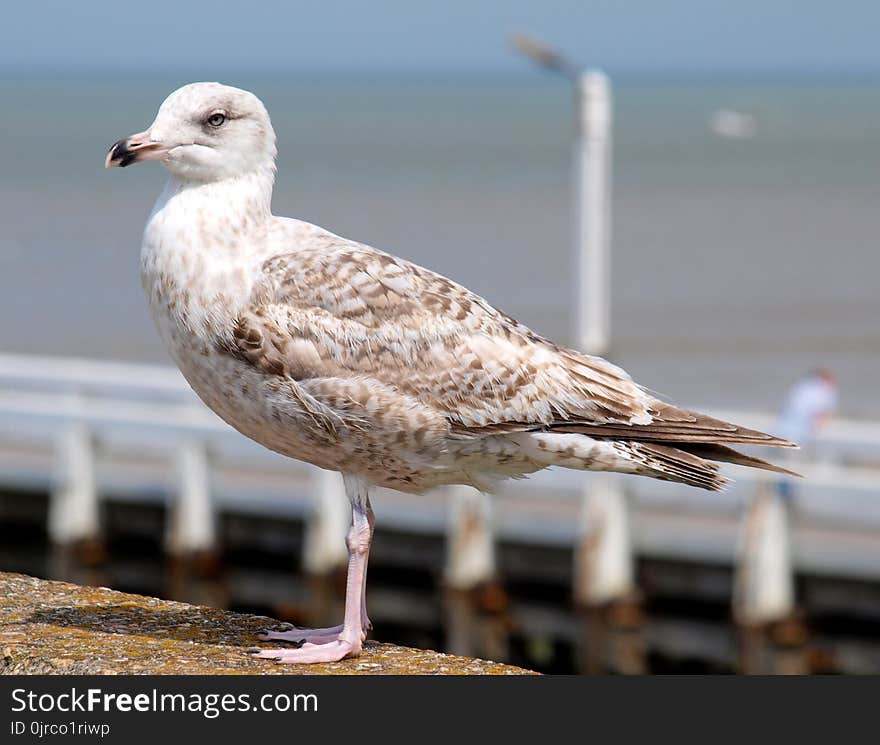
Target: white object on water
{"points": [[733, 124]]}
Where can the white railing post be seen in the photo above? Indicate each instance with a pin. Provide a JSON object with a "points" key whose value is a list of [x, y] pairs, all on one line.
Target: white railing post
{"points": [[192, 525], [73, 505], [324, 547], [474, 602], [764, 581], [604, 582], [470, 542], [592, 212], [603, 570], [770, 638]]}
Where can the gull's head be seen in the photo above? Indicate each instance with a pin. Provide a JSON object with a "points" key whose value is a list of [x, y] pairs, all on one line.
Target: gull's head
{"points": [[204, 132]]}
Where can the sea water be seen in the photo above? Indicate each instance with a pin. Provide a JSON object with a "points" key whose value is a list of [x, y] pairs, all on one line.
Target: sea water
{"points": [[738, 263]]}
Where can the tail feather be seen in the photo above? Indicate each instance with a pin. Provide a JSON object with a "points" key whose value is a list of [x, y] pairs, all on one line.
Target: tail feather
{"points": [[677, 458], [729, 455], [674, 425], [680, 444], [672, 464]]}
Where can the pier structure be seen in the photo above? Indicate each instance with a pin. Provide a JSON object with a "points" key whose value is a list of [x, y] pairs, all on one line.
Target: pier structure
{"points": [[618, 571]]}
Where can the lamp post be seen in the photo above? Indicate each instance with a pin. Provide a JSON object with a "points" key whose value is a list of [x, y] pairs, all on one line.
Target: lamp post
{"points": [[591, 203], [604, 571]]}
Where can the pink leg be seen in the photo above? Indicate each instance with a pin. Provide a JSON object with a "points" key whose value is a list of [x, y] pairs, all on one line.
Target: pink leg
{"points": [[335, 643], [365, 619], [330, 633]]}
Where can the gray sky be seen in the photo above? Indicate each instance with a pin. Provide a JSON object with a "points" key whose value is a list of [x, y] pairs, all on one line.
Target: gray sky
{"points": [[442, 35]]}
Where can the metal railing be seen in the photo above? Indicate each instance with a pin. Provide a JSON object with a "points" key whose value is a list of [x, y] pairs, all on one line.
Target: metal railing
{"points": [[83, 428]]}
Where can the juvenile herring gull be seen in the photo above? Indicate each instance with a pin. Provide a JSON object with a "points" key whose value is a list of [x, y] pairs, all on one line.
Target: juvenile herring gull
{"points": [[334, 353]]}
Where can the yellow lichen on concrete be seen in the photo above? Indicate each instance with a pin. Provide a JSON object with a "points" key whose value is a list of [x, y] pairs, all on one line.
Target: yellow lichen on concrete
{"points": [[55, 627]]}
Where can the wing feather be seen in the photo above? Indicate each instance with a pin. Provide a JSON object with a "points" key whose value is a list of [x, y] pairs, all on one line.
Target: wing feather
{"points": [[336, 310]]}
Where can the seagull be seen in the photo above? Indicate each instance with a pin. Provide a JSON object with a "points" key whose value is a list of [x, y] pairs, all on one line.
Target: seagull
{"points": [[329, 351]]}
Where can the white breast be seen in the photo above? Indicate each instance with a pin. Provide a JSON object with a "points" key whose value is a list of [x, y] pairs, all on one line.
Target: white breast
{"points": [[198, 267]]}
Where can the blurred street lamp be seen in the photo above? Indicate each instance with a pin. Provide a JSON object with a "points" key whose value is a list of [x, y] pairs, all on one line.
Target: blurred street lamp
{"points": [[592, 193]]}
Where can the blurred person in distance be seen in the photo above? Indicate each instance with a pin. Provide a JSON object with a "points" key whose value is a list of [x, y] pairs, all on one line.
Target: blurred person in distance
{"points": [[808, 407]]}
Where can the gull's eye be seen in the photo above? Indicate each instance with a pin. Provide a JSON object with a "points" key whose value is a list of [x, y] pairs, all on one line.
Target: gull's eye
{"points": [[216, 119]]}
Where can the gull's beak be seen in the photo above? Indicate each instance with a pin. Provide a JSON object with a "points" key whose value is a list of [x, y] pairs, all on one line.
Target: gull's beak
{"points": [[134, 149]]}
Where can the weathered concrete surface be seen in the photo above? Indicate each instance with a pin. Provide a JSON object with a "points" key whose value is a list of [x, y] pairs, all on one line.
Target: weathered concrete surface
{"points": [[55, 627]]}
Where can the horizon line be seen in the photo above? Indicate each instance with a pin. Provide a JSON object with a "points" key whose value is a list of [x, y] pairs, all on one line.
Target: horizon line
{"points": [[703, 73]]}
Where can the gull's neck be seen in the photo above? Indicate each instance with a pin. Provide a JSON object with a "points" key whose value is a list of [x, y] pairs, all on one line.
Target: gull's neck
{"points": [[199, 245], [202, 236], [232, 205]]}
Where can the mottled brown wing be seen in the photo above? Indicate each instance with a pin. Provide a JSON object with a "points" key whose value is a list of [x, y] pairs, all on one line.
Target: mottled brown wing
{"points": [[335, 309], [672, 424]]}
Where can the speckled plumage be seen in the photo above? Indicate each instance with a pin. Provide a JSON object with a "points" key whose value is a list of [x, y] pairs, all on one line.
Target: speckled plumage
{"points": [[335, 353], [332, 352]]}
